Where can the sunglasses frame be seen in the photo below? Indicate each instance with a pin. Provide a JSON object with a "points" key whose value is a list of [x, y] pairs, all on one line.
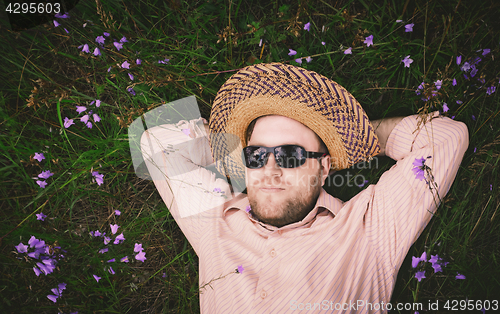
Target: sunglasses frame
{"points": [[279, 161]]}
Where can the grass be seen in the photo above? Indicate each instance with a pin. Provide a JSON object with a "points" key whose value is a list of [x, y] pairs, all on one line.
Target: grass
{"points": [[45, 76]]}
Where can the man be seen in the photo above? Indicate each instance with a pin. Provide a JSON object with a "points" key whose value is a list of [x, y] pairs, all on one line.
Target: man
{"points": [[281, 130]]}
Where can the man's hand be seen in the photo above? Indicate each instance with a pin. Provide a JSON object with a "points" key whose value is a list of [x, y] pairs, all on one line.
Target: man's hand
{"points": [[383, 129]]}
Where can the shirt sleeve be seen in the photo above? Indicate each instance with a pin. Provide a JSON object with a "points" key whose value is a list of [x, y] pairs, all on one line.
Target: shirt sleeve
{"points": [[401, 204], [177, 157]]}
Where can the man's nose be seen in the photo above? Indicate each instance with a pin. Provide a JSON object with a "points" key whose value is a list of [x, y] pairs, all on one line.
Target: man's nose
{"points": [[271, 165]]}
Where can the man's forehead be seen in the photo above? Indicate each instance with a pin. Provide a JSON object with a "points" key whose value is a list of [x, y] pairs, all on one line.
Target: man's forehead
{"points": [[279, 130], [272, 120]]}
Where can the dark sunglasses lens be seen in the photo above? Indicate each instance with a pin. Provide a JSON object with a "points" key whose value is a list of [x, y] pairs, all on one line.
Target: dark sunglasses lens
{"points": [[254, 157], [286, 156], [290, 156]]}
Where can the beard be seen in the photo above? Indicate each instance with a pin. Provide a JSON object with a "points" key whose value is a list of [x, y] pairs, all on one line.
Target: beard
{"points": [[291, 210]]}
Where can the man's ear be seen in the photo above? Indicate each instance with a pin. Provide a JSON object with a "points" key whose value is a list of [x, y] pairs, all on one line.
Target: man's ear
{"points": [[326, 165]]}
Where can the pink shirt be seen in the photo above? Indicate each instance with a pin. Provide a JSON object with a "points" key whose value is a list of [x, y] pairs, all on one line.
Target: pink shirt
{"points": [[342, 257]]}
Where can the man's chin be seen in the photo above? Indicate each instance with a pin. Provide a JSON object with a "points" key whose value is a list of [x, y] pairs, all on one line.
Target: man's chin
{"points": [[273, 221], [268, 210]]}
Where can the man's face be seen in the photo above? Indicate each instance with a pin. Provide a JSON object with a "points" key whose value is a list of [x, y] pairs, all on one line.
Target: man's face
{"points": [[281, 196]]}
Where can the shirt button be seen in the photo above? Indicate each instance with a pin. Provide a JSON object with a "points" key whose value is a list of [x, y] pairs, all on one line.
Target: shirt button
{"points": [[263, 294], [272, 253]]}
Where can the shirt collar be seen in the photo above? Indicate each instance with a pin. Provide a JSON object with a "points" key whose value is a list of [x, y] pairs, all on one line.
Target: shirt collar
{"points": [[325, 201]]}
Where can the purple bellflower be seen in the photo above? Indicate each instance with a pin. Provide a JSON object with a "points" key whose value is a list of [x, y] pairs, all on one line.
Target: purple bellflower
{"points": [[86, 48], [369, 41], [119, 238], [21, 248], [420, 275], [42, 184], [39, 157], [85, 118], [409, 28], [114, 228], [141, 256], [118, 45], [41, 216], [459, 276], [138, 247], [100, 40], [420, 168], [240, 269], [438, 84], [62, 16], [80, 109], [407, 61], [437, 268], [52, 298]]}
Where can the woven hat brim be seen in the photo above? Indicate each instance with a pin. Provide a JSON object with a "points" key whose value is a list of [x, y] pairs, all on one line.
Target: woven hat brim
{"points": [[305, 96]]}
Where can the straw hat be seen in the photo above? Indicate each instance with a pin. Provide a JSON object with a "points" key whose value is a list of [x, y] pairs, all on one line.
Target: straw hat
{"points": [[305, 96]]}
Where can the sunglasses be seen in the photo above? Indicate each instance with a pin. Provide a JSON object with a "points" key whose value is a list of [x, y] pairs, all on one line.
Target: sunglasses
{"points": [[286, 156]]}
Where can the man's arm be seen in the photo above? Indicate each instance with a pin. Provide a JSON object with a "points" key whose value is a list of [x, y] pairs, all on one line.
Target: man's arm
{"points": [[383, 129], [401, 204], [176, 156]]}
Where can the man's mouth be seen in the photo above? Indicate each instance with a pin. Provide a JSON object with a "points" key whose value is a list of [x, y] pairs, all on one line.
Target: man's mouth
{"points": [[270, 189]]}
